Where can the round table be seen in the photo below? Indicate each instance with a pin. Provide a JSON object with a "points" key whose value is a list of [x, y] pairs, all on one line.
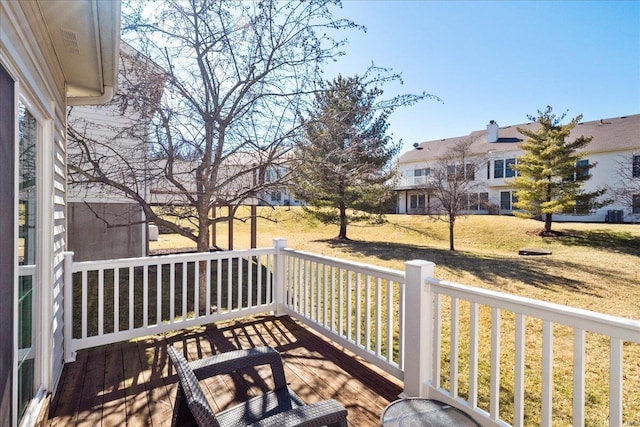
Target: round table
{"points": [[421, 412]]}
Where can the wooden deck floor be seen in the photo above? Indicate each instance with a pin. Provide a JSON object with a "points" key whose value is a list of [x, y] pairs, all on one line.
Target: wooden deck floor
{"points": [[132, 384]]}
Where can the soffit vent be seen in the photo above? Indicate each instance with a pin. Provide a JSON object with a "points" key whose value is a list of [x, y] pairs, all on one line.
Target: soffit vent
{"points": [[70, 40]]}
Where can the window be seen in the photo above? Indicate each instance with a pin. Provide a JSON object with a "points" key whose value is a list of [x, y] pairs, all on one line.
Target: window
{"points": [[582, 170], [635, 204], [636, 166], [470, 172], [498, 168], [509, 171], [276, 196], [421, 175], [451, 173], [488, 170], [484, 201], [473, 202], [507, 200], [28, 332], [417, 201]]}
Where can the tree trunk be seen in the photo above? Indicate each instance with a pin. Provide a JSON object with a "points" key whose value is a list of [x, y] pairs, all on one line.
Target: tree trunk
{"points": [[452, 222], [203, 246], [547, 222], [342, 235]]}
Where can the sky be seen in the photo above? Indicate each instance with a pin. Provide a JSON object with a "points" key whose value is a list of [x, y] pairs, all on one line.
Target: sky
{"points": [[496, 60]]}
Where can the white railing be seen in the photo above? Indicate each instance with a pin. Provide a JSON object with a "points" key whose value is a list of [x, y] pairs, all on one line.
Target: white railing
{"points": [[118, 300], [412, 181], [431, 334], [356, 305], [529, 328]]}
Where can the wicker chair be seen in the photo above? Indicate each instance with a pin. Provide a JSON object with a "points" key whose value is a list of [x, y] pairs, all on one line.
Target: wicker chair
{"points": [[280, 407]]}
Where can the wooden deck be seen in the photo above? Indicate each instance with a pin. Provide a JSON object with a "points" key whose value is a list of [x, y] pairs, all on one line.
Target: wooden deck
{"points": [[131, 383]]}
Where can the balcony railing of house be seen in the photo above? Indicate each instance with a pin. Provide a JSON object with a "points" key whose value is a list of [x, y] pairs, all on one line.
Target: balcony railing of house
{"points": [[412, 181], [478, 350]]}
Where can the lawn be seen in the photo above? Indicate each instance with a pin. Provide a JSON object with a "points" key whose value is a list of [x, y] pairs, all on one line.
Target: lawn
{"points": [[592, 266]]}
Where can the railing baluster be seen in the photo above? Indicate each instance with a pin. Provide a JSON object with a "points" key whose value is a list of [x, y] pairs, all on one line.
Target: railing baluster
{"points": [[546, 416], [341, 330], [219, 285], [259, 277], [390, 321], [85, 308], [172, 292], [240, 281], [518, 386], [325, 306], [378, 308], [453, 349], [116, 299], [207, 299], [196, 289], [250, 279], [367, 313], [578, 376], [615, 382], [145, 296], [333, 298], [315, 296], [473, 355], [349, 313], [358, 310], [229, 284], [184, 290], [158, 294], [437, 339], [131, 296], [101, 301], [494, 386]]}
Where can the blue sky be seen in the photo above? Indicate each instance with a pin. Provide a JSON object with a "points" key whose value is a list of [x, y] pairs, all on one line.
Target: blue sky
{"points": [[497, 60]]}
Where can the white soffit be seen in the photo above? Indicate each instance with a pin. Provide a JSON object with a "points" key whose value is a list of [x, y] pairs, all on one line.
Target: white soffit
{"points": [[86, 37]]}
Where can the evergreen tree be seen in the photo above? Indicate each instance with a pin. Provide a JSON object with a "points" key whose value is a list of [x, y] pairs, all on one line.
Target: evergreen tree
{"points": [[346, 159], [550, 179]]}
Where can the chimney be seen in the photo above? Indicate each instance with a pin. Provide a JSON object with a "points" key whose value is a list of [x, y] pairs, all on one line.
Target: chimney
{"points": [[492, 131]]}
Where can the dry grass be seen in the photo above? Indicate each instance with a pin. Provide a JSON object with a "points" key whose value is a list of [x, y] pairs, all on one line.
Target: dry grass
{"points": [[592, 266]]}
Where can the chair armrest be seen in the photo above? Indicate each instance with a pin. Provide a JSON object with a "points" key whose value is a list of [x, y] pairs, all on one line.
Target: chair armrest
{"points": [[324, 413], [231, 361]]}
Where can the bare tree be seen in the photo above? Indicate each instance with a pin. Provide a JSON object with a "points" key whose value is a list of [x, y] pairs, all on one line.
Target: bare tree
{"points": [[235, 77], [452, 182]]}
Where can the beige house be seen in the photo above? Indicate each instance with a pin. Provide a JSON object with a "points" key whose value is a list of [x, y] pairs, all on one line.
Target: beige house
{"points": [[615, 148]]}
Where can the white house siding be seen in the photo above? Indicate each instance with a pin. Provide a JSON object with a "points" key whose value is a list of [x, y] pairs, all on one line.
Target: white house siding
{"points": [[89, 237], [27, 54], [615, 140], [40, 85]]}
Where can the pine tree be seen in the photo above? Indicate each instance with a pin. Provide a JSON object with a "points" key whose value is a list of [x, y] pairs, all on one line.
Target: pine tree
{"points": [[550, 179], [346, 160]]}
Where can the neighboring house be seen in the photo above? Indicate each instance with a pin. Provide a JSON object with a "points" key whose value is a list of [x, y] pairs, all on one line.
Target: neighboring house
{"points": [[615, 146], [243, 179], [104, 223], [53, 54]]}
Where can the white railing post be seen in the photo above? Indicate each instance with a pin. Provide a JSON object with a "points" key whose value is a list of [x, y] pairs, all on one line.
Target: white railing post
{"points": [[69, 354], [279, 276], [418, 328]]}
